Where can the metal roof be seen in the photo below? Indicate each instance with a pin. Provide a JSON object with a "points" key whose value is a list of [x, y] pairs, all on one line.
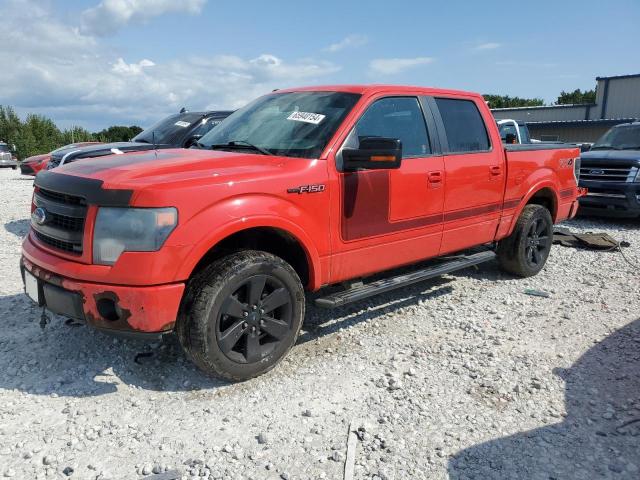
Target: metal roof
{"points": [[632, 75], [584, 122]]}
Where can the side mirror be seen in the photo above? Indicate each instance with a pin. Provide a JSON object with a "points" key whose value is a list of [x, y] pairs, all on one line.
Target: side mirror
{"points": [[585, 147], [375, 153], [191, 141], [511, 139]]}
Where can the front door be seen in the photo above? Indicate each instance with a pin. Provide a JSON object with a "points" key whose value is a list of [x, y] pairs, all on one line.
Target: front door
{"points": [[390, 217]]}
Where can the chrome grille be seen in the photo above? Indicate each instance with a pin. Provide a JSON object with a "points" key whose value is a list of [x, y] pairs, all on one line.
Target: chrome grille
{"points": [[607, 173]]}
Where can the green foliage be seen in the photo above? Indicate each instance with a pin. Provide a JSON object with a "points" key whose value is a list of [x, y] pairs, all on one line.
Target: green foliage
{"points": [[577, 96], [505, 101], [118, 133], [38, 134]]}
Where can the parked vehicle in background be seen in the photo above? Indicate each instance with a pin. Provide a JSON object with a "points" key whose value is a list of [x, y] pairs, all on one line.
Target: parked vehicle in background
{"points": [[513, 131], [300, 189], [32, 165], [181, 130], [610, 170], [7, 157]]}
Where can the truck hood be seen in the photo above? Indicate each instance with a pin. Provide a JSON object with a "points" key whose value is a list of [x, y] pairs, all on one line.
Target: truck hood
{"points": [[176, 166], [630, 157]]}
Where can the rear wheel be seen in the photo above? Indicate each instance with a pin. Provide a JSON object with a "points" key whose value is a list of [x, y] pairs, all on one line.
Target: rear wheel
{"points": [[526, 250], [241, 315]]}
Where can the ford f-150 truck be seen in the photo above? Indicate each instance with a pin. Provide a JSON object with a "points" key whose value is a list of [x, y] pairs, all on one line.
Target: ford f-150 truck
{"points": [[301, 189], [611, 173]]}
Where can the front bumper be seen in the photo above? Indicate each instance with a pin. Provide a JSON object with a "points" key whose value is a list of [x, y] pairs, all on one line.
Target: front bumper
{"points": [[27, 169], [8, 163], [614, 199], [120, 309]]}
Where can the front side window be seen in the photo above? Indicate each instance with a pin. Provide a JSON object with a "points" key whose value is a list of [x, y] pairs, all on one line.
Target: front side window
{"points": [[291, 124], [393, 117], [463, 125]]}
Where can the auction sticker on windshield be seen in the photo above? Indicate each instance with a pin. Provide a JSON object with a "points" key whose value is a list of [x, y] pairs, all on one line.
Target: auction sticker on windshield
{"points": [[182, 124], [306, 117]]}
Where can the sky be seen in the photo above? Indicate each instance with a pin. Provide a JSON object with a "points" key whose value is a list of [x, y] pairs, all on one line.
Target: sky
{"points": [[97, 63]]}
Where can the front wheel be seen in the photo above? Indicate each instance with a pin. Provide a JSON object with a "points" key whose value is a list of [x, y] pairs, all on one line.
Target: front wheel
{"points": [[526, 250], [241, 315]]}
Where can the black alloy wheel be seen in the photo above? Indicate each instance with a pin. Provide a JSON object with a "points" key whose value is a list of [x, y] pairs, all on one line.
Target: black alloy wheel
{"points": [[254, 319], [537, 245]]}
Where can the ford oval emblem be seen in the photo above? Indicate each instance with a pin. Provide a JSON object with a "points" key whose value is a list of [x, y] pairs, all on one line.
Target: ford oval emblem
{"points": [[39, 216], [596, 172]]}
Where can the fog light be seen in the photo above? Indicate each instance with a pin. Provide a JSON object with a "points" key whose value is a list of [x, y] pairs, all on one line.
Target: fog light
{"points": [[108, 309]]}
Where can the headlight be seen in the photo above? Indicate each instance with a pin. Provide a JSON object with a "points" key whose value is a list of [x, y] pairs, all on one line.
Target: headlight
{"points": [[120, 230]]}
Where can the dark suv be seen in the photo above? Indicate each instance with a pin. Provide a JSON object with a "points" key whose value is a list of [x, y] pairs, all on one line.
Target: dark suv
{"points": [[611, 172], [181, 130]]}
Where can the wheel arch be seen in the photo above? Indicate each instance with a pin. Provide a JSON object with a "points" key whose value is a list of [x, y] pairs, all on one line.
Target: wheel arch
{"points": [[273, 235], [543, 193]]}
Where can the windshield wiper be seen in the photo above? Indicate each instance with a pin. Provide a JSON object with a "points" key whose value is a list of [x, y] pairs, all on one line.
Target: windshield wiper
{"points": [[633, 147], [604, 147], [242, 144], [142, 140]]}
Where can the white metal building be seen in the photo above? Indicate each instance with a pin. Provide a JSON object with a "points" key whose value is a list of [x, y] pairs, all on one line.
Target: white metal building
{"points": [[617, 101]]}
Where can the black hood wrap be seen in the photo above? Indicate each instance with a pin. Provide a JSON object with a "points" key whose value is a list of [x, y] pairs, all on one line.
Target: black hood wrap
{"points": [[88, 188]]}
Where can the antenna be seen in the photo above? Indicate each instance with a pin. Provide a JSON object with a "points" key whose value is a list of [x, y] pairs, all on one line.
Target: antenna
{"points": [[153, 139]]}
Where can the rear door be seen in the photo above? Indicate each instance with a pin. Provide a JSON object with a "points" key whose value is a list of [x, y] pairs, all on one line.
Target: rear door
{"points": [[475, 172], [391, 217]]}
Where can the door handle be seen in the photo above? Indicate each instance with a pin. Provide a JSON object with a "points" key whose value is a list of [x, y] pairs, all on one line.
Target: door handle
{"points": [[495, 170], [435, 179]]}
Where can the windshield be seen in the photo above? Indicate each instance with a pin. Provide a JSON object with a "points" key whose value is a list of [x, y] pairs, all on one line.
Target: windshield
{"points": [[296, 124], [620, 138], [4, 147], [170, 130]]}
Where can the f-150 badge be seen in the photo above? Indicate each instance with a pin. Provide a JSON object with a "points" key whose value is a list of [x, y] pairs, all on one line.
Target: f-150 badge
{"points": [[315, 188]]}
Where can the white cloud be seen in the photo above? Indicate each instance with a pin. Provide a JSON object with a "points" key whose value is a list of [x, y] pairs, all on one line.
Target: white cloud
{"points": [[487, 46], [111, 15], [131, 68], [350, 41], [58, 71], [390, 66]]}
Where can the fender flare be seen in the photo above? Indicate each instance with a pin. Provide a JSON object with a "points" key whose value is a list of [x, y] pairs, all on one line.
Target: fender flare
{"points": [[535, 188], [238, 224]]}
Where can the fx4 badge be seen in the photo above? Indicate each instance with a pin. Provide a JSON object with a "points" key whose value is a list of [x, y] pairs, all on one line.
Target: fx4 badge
{"points": [[316, 188]]}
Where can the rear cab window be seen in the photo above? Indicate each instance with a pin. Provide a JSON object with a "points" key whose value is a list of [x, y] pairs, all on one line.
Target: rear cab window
{"points": [[464, 127]]}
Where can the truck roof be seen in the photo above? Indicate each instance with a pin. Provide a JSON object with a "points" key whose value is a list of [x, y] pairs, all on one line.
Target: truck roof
{"points": [[375, 88]]}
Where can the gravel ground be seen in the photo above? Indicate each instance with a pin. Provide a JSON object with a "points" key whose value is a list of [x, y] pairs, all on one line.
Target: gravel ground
{"points": [[462, 377]]}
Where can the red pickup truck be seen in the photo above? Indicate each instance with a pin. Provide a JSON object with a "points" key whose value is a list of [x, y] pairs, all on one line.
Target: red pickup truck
{"points": [[300, 189]]}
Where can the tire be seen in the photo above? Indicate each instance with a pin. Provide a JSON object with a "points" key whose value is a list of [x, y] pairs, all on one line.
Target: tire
{"points": [[525, 251], [220, 330]]}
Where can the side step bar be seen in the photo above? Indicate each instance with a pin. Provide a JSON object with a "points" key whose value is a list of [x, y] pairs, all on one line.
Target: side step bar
{"points": [[360, 292]]}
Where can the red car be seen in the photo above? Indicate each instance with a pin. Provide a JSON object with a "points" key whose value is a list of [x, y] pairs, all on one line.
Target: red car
{"points": [[300, 189], [34, 164]]}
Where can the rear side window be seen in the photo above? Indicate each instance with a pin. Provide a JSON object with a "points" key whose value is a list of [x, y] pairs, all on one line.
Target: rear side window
{"points": [[394, 117], [463, 125]]}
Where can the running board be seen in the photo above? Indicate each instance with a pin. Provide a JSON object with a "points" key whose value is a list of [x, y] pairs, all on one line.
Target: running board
{"points": [[361, 292]]}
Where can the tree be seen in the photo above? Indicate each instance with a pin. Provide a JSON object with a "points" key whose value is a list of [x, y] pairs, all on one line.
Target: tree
{"points": [[576, 97], [505, 101], [76, 134], [117, 133]]}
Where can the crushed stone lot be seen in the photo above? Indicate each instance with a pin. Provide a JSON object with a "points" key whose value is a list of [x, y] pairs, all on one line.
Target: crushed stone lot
{"points": [[461, 377]]}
